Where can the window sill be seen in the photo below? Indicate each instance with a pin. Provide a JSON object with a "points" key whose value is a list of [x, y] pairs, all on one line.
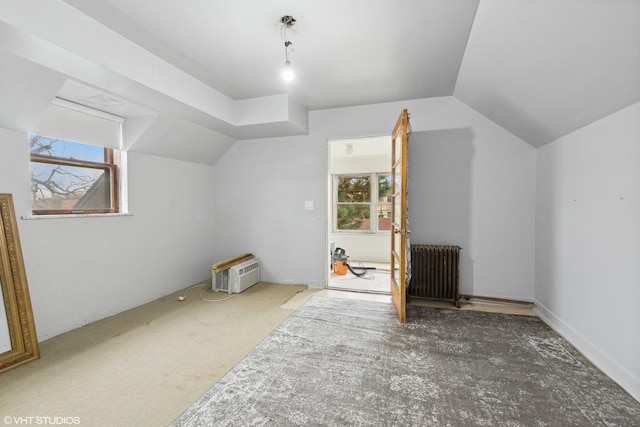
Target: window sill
{"points": [[95, 215], [363, 232]]}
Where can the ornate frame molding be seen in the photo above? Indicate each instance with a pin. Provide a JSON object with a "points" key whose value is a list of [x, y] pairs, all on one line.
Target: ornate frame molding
{"points": [[15, 292]]}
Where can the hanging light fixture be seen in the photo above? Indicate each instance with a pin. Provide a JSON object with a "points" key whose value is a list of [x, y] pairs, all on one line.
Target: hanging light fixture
{"points": [[287, 22], [287, 74]]}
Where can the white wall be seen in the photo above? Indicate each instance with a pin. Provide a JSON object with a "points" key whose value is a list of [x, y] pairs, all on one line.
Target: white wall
{"points": [[440, 188], [472, 184], [83, 269], [363, 247], [588, 242], [361, 164], [261, 186]]}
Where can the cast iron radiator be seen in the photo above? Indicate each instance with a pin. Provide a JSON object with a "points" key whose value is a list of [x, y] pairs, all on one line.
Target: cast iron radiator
{"points": [[435, 272]]}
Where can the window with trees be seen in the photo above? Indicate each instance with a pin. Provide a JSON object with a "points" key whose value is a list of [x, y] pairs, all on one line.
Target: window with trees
{"points": [[68, 177], [362, 202], [76, 161]]}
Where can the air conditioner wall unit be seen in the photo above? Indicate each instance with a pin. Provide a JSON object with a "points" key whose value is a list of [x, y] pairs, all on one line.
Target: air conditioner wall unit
{"points": [[239, 277]]}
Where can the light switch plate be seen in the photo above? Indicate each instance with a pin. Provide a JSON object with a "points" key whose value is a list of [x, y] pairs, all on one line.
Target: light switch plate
{"points": [[308, 205]]}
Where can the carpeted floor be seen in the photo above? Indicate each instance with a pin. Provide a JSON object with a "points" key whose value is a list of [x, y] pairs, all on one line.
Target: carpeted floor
{"points": [[343, 362], [145, 366]]}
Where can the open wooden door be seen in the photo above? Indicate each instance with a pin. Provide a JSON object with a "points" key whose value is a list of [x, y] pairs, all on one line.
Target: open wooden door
{"points": [[400, 233]]}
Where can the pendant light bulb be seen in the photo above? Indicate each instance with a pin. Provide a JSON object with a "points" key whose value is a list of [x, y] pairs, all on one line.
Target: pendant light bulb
{"points": [[287, 75]]}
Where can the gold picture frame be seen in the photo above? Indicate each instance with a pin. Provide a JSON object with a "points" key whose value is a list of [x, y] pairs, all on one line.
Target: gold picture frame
{"points": [[15, 292]]}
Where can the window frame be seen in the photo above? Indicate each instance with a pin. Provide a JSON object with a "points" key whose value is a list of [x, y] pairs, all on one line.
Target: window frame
{"points": [[110, 164], [373, 203]]}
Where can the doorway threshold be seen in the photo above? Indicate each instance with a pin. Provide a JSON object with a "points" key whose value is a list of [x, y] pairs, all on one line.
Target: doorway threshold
{"points": [[375, 279], [364, 291]]}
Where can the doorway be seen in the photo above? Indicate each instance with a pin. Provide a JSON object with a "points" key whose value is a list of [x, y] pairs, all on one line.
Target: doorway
{"points": [[359, 214]]}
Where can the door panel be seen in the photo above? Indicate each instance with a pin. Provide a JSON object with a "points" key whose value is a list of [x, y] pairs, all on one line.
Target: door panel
{"points": [[399, 232]]}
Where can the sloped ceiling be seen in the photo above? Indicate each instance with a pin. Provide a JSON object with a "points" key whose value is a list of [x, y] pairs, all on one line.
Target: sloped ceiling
{"points": [[210, 71], [26, 89], [544, 68]]}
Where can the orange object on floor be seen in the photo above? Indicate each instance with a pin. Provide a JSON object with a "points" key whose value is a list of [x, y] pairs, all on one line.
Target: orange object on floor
{"points": [[340, 267]]}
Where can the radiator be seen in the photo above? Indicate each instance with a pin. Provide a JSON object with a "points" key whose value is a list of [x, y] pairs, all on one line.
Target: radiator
{"points": [[238, 278], [435, 272]]}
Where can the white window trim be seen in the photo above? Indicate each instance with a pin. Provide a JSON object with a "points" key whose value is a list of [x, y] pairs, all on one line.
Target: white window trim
{"points": [[53, 124], [373, 204]]}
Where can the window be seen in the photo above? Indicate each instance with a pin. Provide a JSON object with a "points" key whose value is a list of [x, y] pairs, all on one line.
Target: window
{"points": [[76, 162], [356, 198], [72, 178], [384, 202]]}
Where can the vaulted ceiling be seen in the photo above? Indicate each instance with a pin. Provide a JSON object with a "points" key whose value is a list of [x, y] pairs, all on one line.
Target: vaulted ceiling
{"points": [[212, 70]]}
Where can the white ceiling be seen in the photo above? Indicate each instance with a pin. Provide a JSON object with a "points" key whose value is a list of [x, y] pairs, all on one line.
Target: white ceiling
{"points": [[345, 52], [544, 68], [538, 68]]}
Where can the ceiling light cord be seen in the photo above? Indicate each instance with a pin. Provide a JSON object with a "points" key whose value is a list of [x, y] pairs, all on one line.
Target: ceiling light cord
{"points": [[287, 43], [287, 22]]}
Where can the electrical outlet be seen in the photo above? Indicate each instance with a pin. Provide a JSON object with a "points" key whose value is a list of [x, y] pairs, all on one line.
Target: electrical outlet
{"points": [[308, 205]]}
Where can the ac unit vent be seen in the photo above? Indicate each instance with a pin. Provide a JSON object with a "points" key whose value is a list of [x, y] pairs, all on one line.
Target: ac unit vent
{"points": [[248, 268], [238, 278]]}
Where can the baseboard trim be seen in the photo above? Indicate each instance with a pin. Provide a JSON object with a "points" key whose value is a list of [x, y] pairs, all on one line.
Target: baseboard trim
{"points": [[596, 356], [499, 300]]}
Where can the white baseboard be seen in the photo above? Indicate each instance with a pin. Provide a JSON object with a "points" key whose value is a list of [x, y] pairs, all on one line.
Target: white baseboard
{"points": [[595, 355]]}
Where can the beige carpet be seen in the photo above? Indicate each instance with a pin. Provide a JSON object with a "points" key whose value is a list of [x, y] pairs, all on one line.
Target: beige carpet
{"points": [[147, 365]]}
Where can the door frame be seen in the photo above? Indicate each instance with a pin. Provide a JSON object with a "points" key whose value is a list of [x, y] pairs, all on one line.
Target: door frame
{"points": [[329, 210]]}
